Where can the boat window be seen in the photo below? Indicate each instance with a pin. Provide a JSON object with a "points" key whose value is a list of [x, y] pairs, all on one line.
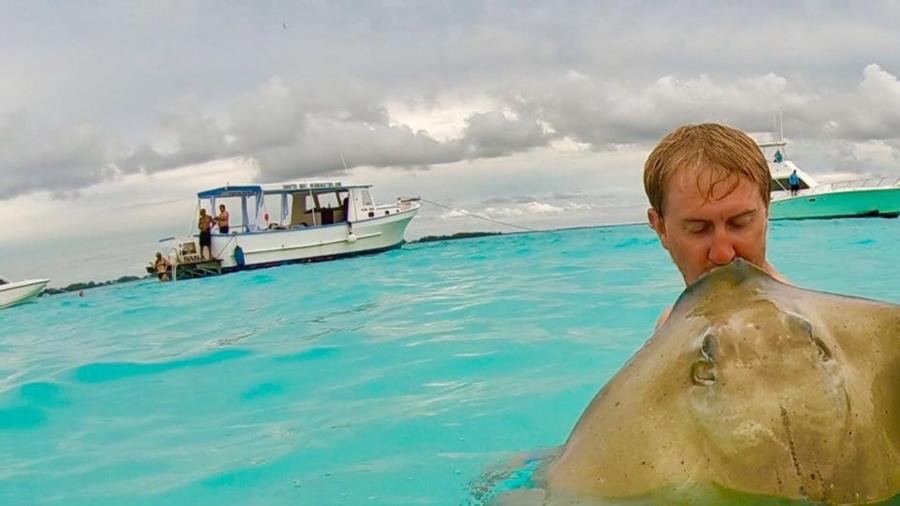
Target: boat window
{"points": [[3, 281], [328, 200], [366, 198]]}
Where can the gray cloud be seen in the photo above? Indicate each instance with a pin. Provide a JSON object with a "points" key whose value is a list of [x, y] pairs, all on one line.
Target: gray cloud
{"points": [[516, 199], [40, 155], [196, 138], [873, 112], [296, 99], [495, 134], [290, 136], [291, 132], [326, 140]]}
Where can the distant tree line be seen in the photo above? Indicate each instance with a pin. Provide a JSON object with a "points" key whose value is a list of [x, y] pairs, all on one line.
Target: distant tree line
{"points": [[458, 235], [74, 287]]}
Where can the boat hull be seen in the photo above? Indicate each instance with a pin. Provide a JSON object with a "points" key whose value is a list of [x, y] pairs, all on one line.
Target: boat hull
{"points": [[20, 292], [275, 247], [884, 202]]}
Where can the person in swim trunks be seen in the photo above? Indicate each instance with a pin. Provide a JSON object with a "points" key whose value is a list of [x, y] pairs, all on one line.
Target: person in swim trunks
{"points": [[222, 220], [162, 266], [205, 224], [794, 181]]}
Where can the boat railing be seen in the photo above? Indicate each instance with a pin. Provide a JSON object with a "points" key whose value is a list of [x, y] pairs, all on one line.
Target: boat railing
{"points": [[855, 184]]}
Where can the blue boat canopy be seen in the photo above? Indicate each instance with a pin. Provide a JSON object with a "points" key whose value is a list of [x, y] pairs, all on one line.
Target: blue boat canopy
{"points": [[230, 191], [249, 222]]}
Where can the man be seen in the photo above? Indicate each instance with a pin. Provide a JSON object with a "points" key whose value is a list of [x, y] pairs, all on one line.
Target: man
{"points": [[162, 267], [204, 224], [708, 187], [222, 219], [794, 181]]}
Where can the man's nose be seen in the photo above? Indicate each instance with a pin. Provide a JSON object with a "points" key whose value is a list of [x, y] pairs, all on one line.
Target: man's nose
{"points": [[721, 252]]}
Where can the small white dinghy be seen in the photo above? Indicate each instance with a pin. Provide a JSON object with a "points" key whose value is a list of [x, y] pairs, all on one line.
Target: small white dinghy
{"points": [[20, 291]]}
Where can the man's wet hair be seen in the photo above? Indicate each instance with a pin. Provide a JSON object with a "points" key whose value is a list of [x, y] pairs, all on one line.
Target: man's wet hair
{"points": [[722, 153]]}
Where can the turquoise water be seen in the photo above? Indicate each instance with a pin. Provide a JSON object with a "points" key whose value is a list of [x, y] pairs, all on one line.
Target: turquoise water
{"points": [[391, 379]]}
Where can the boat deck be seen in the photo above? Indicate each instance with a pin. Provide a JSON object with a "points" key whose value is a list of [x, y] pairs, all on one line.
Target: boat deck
{"points": [[198, 269]]}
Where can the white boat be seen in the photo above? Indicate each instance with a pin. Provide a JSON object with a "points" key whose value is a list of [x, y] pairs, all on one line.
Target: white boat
{"points": [[314, 221], [871, 197], [21, 291]]}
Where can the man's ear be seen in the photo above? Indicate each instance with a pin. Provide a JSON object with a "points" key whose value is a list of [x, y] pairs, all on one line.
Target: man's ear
{"points": [[658, 225]]}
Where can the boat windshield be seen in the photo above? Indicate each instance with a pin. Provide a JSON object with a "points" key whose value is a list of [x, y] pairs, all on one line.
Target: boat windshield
{"points": [[3, 281]]}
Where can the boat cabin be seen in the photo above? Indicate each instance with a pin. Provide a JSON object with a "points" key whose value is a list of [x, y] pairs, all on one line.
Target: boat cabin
{"points": [[780, 168], [780, 173], [295, 205]]}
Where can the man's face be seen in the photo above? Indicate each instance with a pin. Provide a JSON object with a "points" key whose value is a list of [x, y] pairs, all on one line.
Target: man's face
{"points": [[701, 233]]}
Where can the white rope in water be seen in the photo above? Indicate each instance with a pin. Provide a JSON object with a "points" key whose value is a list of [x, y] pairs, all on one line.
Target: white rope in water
{"points": [[473, 215]]}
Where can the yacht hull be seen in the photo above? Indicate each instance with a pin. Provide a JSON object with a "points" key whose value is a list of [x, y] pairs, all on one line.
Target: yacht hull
{"points": [[22, 291], [884, 202], [275, 247]]}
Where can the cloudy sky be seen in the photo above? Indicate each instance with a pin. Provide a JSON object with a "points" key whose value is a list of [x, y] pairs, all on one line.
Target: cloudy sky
{"points": [[114, 114]]}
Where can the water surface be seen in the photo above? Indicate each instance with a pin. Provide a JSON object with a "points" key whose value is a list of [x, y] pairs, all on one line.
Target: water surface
{"points": [[391, 379]]}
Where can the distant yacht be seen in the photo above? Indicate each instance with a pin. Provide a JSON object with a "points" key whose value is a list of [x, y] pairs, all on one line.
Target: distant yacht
{"points": [[21, 291], [859, 198], [318, 220]]}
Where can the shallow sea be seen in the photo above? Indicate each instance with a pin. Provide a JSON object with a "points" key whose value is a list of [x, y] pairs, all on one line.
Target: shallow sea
{"points": [[391, 379]]}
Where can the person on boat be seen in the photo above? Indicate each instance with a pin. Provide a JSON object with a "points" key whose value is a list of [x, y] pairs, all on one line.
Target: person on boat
{"points": [[204, 224], [778, 157], [794, 181], [708, 187], [222, 219], [162, 267]]}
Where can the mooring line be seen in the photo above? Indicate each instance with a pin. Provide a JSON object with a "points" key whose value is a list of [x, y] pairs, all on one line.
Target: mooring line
{"points": [[473, 215]]}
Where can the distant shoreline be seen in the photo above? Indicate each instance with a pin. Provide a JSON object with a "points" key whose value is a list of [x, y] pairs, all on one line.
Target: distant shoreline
{"points": [[77, 287], [469, 235], [451, 237]]}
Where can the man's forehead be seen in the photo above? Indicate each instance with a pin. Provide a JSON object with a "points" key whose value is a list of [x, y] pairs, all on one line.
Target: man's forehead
{"points": [[699, 186], [703, 173], [705, 180]]}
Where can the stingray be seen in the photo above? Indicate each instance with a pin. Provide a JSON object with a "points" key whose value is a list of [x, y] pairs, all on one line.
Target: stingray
{"points": [[752, 386]]}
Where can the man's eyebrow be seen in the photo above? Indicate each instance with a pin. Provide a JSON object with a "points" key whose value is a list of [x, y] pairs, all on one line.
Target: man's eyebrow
{"points": [[743, 214], [748, 212]]}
